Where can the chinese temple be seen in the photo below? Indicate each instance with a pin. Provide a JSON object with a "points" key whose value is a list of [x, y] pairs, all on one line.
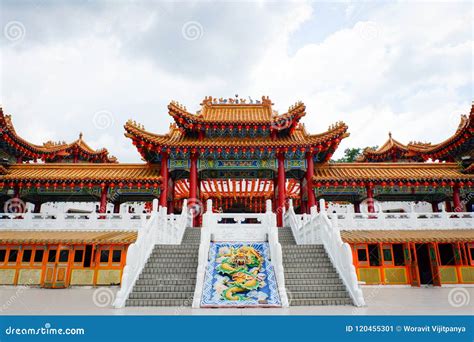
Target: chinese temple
{"points": [[239, 156]]}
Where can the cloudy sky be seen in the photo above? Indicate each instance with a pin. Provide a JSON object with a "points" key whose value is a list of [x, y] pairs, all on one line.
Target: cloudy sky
{"points": [[89, 66]]}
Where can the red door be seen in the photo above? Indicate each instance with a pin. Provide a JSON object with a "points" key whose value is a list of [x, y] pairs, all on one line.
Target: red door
{"points": [[57, 267], [434, 265]]}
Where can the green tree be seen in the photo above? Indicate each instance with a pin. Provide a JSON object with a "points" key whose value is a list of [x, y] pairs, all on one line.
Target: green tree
{"points": [[351, 154]]}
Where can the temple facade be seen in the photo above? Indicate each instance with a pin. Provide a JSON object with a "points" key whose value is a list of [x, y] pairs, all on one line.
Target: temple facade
{"points": [[238, 156]]}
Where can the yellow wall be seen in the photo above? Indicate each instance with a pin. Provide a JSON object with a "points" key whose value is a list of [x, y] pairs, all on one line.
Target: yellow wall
{"points": [[395, 275], [82, 277], [7, 276], [467, 274], [29, 276], [108, 277], [369, 275], [448, 274]]}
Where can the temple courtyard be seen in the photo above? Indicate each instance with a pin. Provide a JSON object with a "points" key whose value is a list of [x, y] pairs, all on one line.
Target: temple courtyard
{"points": [[98, 301]]}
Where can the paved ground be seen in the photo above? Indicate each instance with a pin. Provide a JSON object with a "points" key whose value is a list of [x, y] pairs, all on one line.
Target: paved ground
{"points": [[97, 301]]}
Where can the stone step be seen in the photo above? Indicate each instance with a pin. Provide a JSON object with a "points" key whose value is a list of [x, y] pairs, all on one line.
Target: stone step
{"points": [[160, 302], [171, 262], [303, 247], [314, 275], [193, 251], [177, 266], [160, 281], [302, 269], [321, 302], [319, 295], [302, 282], [184, 257], [304, 258], [173, 270], [175, 247], [315, 288], [164, 288], [161, 295], [304, 253], [175, 252], [168, 276], [307, 264]]}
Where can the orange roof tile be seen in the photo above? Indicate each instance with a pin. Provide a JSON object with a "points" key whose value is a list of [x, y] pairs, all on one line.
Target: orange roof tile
{"points": [[390, 147], [82, 172], [389, 171], [66, 237], [176, 138], [215, 111], [400, 236]]}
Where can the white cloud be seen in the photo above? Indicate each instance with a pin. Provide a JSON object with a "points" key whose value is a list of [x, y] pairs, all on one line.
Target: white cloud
{"points": [[400, 67], [402, 70]]}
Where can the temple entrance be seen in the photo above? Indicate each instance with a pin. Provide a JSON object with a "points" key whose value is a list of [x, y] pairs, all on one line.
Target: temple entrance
{"points": [[424, 264], [236, 195], [56, 269]]}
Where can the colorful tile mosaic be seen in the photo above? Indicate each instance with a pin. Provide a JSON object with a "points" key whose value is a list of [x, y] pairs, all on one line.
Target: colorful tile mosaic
{"points": [[240, 275]]}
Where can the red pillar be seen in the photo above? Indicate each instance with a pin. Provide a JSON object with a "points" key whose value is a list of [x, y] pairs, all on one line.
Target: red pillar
{"points": [[357, 207], [171, 191], [434, 207], [448, 206], [370, 199], [303, 203], [37, 208], [164, 179], [193, 201], [309, 180], [103, 199], [117, 208], [458, 207], [281, 189]]}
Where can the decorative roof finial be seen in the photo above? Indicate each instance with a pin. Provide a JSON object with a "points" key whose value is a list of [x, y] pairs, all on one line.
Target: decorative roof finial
{"points": [[390, 135]]}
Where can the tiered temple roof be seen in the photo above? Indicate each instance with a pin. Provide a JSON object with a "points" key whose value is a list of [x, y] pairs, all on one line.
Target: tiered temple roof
{"points": [[23, 151], [451, 149], [65, 175], [236, 113], [235, 130], [352, 174]]}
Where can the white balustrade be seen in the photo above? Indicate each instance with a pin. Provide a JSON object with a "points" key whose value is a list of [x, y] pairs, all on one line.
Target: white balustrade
{"points": [[317, 228], [159, 229], [72, 222], [339, 252], [239, 228], [404, 221], [303, 231]]}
